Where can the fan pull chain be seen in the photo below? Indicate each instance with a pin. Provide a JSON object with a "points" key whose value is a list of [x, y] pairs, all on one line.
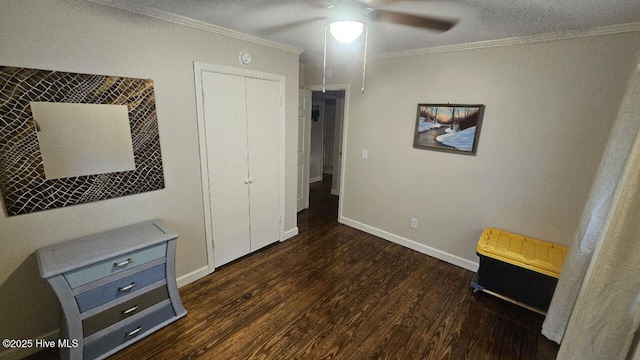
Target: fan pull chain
{"points": [[324, 61], [364, 62]]}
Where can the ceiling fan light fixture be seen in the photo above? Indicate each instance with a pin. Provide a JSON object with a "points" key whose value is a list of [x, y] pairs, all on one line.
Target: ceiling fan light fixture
{"points": [[346, 31]]}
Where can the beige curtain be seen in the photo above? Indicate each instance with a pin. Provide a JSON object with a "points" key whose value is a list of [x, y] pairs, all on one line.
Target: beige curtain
{"points": [[595, 310]]}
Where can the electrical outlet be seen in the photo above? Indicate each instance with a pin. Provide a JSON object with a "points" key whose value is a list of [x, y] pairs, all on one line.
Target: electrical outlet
{"points": [[365, 153], [414, 223]]}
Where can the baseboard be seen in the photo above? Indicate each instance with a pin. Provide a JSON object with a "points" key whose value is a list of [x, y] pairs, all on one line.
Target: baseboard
{"points": [[205, 270], [422, 248], [315, 179], [335, 192], [290, 233], [21, 353], [192, 276]]}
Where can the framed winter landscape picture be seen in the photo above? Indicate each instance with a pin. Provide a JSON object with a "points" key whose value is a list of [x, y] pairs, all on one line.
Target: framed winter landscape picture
{"points": [[448, 127]]}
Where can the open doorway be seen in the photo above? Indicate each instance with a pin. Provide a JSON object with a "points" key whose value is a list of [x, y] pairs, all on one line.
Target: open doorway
{"points": [[326, 138], [325, 158], [328, 121]]}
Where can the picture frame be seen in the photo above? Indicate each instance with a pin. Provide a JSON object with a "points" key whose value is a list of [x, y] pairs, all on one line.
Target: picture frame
{"points": [[24, 184], [451, 128]]}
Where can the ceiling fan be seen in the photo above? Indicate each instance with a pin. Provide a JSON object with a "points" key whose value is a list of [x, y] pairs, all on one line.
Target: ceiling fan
{"points": [[369, 11], [348, 19]]}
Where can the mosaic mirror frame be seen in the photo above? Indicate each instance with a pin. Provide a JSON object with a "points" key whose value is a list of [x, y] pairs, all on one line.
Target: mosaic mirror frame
{"points": [[22, 178]]}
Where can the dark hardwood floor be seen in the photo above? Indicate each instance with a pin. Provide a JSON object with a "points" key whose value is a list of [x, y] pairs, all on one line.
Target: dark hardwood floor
{"points": [[334, 292]]}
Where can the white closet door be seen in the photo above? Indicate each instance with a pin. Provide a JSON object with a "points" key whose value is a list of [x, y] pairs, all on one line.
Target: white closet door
{"points": [[263, 114], [226, 134]]}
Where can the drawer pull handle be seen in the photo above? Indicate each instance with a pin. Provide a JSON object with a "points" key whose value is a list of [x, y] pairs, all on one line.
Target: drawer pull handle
{"points": [[124, 263], [133, 332], [130, 310], [128, 287]]}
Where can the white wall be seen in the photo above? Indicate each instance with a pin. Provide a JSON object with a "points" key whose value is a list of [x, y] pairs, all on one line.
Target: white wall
{"points": [[549, 108], [77, 36]]}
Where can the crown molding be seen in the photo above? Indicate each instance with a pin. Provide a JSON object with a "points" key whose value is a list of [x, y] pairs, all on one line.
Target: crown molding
{"points": [[196, 24], [521, 40]]}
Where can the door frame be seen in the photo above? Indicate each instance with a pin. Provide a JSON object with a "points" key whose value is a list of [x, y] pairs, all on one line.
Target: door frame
{"points": [[345, 122], [198, 68]]}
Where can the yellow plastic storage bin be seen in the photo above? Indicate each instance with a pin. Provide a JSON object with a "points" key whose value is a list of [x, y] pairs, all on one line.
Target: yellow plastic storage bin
{"points": [[518, 268]]}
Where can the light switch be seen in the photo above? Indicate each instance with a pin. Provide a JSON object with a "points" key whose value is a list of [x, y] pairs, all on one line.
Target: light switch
{"points": [[365, 153]]}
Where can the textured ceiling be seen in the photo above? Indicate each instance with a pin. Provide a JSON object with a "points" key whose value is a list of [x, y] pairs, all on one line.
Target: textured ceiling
{"points": [[478, 20]]}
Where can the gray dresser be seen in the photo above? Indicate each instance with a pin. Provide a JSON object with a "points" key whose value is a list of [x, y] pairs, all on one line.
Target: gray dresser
{"points": [[115, 287]]}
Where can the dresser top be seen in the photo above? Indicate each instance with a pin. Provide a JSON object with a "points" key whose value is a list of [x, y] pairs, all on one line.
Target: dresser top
{"points": [[69, 255]]}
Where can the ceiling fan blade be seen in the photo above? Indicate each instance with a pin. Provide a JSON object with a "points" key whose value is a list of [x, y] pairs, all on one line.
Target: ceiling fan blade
{"points": [[411, 20], [321, 4], [381, 3], [274, 29]]}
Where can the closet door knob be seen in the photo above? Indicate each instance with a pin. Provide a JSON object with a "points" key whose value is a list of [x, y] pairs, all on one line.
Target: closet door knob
{"points": [[247, 181], [250, 180]]}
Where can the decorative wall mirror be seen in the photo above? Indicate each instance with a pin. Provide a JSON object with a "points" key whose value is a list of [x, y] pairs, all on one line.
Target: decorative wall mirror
{"points": [[68, 138], [82, 139]]}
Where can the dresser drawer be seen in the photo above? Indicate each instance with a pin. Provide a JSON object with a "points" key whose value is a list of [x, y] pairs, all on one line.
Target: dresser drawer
{"points": [[114, 265], [123, 311], [137, 329], [130, 284]]}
